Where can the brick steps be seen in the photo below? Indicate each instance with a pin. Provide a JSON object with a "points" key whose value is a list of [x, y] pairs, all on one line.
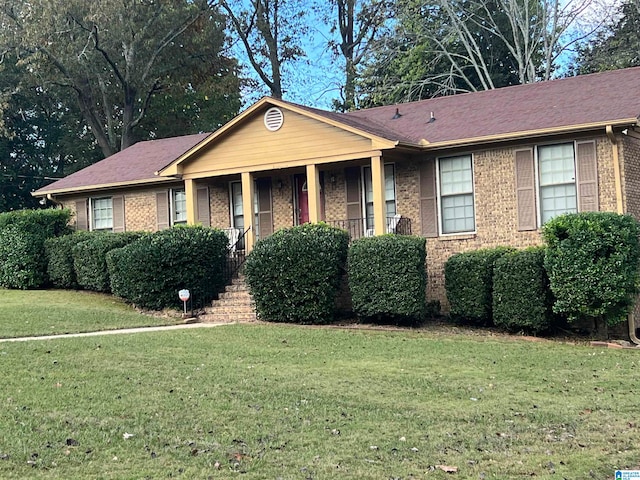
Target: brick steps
{"points": [[233, 305]]}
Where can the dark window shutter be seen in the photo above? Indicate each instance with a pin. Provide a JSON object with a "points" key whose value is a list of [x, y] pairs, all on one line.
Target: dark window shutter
{"points": [[352, 183], [428, 199], [202, 194], [162, 210], [117, 204], [526, 190], [587, 167], [82, 219], [265, 219]]}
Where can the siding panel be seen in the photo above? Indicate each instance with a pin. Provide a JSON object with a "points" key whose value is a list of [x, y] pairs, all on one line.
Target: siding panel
{"points": [[428, 199], [162, 210]]}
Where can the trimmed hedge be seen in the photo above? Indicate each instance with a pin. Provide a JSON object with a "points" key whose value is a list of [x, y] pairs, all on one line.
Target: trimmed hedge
{"points": [[59, 253], [522, 299], [469, 284], [23, 263], [294, 275], [90, 258], [150, 271], [388, 278], [592, 262]]}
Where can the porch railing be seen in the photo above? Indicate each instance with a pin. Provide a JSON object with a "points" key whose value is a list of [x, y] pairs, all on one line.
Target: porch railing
{"points": [[356, 226], [237, 253]]}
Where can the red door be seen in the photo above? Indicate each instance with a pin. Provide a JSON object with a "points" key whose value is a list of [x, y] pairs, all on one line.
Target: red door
{"points": [[302, 196]]}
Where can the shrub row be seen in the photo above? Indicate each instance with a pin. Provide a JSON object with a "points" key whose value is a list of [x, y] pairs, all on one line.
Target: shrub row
{"points": [[388, 278], [592, 260], [294, 275], [150, 271], [469, 284], [90, 258], [23, 233]]}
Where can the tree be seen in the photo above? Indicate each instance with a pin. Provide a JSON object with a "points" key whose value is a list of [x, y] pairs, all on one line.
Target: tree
{"points": [[117, 57], [42, 140], [359, 24], [270, 32], [454, 46], [617, 46]]}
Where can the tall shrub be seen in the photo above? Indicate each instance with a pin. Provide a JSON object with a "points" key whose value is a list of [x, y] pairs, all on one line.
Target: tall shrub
{"points": [[90, 258], [469, 284], [22, 235], [59, 254], [150, 271], [388, 278], [592, 262], [294, 275], [522, 299]]}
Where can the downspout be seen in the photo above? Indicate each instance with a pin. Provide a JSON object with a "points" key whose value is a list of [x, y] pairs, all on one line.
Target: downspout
{"points": [[55, 202], [620, 209]]}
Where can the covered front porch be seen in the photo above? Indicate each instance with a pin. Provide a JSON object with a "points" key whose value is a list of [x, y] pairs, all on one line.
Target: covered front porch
{"points": [[360, 197]]}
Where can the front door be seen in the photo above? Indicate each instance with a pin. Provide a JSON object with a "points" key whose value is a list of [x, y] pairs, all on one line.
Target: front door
{"points": [[302, 199]]}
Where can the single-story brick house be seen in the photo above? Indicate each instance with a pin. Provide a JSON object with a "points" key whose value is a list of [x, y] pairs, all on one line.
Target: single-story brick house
{"points": [[466, 171]]}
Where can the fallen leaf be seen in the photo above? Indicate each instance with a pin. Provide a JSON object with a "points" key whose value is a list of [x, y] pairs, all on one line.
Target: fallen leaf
{"points": [[127, 436], [447, 468], [71, 442]]}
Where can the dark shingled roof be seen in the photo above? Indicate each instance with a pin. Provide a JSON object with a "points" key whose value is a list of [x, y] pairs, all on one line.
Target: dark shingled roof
{"points": [[570, 103], [134, 164]]}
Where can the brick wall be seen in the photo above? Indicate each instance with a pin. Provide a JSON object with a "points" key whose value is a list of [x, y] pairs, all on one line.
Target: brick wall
{"points": [[219, 204], [140, 211], [282, 201]]}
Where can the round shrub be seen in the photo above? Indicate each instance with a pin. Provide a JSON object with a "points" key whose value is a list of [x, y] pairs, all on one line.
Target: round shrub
{"points": [[294, 275], [469, 284], [90, 258], [150, 271], [23, 263], [522, 299], [592, 262], [58, 251], [388, 278]]}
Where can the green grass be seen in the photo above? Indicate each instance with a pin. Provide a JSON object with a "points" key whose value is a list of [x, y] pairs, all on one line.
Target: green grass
{"points": [[47, 312], [277, 401]]}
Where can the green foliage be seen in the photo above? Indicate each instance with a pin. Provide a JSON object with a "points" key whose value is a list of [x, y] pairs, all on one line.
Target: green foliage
{"points": [[150, 271], [22, 235], [59, 255], [294, 275], [615, 46], [388, 278], [89, 258], [522, 299], [469, 284], [592, 262]]}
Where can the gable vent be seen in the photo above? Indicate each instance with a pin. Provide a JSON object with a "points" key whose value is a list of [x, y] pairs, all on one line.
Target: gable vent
{"points": [[273, 119]]}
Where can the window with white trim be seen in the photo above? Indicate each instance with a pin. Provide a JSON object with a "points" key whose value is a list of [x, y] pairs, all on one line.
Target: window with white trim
{"points": [[178, 206], [101, 213], [389, 193], [557, 180], [455, 188]]}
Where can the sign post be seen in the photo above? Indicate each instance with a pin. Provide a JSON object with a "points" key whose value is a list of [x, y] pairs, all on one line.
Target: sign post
{"points": [[184, 296]]}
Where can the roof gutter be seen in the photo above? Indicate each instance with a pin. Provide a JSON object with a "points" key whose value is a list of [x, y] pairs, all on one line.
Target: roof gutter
{"points": [[620, 209]]}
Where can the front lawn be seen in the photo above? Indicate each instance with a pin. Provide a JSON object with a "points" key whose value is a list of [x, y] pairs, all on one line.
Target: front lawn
{"points": [[279, 401], [26, 313]]}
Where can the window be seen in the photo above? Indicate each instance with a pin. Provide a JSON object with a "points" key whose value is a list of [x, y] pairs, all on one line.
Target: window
{"points": [[389, 194], [101, 214], [557, 180], [237, 215], [456, 194], [178, 206]]}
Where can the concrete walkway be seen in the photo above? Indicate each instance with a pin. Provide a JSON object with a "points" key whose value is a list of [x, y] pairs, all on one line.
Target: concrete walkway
{"points": [[116, 332]]}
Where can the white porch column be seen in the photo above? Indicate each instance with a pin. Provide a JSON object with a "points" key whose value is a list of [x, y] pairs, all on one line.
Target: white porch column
{"points": [[379, 208], [247, 210], [313, 190]]}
